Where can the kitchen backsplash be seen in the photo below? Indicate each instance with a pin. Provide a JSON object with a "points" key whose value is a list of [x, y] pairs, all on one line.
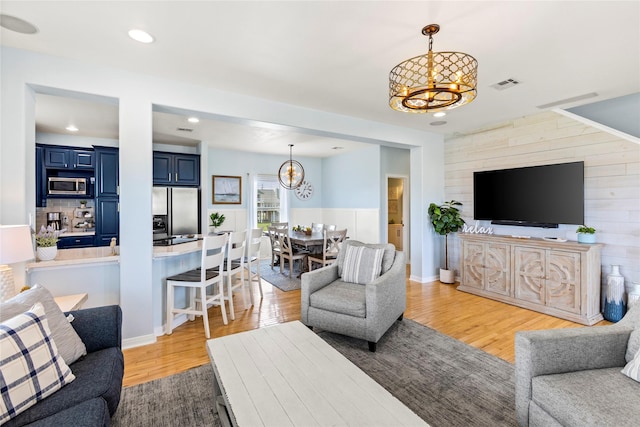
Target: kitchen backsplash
{"points": [[66, 206]]}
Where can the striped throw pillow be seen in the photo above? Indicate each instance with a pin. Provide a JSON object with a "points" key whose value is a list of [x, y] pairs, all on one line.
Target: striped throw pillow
{"points": [[632, 369], [362, 264], [32, 369]]}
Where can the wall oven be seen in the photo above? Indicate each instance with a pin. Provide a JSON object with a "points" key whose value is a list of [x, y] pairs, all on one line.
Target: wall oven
{"points": [[67, 186]]}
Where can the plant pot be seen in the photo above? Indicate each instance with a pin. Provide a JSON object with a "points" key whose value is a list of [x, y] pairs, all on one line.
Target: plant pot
{"points": [[586, 238], [447, 276], [46, 253]]}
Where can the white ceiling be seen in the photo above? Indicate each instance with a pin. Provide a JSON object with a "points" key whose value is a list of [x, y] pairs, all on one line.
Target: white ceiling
{"points": [[336, 56]]}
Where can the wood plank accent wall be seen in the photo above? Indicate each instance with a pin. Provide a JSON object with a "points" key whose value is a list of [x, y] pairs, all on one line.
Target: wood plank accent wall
{"points": [[612, 179]]}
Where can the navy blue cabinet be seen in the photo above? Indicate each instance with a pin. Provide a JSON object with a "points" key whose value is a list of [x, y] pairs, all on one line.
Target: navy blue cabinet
{"points": [[175, 169], [41, 179], [107, 195], [68, 158], [75, 242]]}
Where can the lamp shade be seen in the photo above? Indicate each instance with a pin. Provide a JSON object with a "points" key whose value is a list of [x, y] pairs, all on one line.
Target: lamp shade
{"points": [[15, 244]]}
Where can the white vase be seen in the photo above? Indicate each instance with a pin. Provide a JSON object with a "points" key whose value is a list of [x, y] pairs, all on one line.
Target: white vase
{"points": [[46, 253], [447, 276], [614, 306], [633, 297]]}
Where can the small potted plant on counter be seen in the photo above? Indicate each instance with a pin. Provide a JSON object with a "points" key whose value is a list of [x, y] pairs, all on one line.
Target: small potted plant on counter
{"points": [[586, 234], [83, 204], [446, 219], [47, 243], [216, 220]]}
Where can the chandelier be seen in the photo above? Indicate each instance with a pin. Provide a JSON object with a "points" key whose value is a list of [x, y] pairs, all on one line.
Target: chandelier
{"points": [[433, 82], [291, 172]]}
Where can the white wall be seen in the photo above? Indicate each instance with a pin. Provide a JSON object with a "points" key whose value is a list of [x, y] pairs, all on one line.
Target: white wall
{"points": [[21, 71], [612, 179]]}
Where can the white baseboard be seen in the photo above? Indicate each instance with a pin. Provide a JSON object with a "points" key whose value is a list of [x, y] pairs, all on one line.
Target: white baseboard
{"points": [[138, 341], [161, 330], [423, 279]]}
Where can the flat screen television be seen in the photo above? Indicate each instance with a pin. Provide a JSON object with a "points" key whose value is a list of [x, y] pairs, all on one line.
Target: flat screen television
{"points": [[534, 196]]}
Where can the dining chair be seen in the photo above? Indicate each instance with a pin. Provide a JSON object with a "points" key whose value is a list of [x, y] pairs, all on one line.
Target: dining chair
{"points": [[275, 244], [317, 227], [280, 225], [207, 275], [331, 246], [234, 265], [288, 252], [331, 227], [254, 238]]}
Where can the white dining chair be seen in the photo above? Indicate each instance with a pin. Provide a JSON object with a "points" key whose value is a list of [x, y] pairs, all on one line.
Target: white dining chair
{"points": [[272, 231], [331, 246], [234, 266], [252, 260], [317, 227], [331, 227], [200, 279]]}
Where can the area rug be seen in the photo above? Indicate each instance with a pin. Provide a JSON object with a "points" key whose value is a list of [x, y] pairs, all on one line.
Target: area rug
{"points": [[444, 381], [277, 279]]}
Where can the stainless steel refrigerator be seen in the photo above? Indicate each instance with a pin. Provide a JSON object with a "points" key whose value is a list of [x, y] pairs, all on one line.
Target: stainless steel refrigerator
{"points": [[176, 211]]}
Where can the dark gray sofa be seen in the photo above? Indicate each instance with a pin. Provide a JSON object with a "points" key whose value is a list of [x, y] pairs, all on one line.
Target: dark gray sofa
{"points": [[93, 397], [571, 377]]}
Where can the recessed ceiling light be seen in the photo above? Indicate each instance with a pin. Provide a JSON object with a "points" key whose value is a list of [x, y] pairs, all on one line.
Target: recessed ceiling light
{"points": [[440, 114], [140, 36], [193, 120], [16, 24], [72, 128]]}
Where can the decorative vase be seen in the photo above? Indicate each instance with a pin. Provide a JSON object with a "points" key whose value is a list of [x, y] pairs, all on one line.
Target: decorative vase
{"points": [[46, 253], [586, 238], [614, 306], [633, 297]]}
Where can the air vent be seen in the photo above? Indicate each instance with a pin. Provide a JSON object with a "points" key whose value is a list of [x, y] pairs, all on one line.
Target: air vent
{"points": [[184, 129], [438, 123], [505, 84]]}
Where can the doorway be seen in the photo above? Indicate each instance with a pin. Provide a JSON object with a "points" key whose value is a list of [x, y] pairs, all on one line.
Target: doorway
{"points": [[397, 213]]}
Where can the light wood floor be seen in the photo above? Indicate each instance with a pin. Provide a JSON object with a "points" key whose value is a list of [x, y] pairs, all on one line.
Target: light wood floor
{"points": [[480, 322]]}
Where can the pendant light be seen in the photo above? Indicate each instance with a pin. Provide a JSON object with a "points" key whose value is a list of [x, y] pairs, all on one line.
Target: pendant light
{"points": [[433, 82], [291, 172]]}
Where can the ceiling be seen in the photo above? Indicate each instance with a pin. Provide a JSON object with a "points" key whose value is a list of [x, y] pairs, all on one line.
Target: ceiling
{"points": [[336, 56]]}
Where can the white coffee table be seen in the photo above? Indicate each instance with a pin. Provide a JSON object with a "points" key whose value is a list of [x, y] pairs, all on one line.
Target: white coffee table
{"points": [[285, 375]]}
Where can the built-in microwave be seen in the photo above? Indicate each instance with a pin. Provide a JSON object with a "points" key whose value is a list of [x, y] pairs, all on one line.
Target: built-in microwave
{"points": [[68, 186]]}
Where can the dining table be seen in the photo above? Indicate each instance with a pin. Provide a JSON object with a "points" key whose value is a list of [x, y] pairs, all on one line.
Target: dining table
{"points": [[312, 242]]}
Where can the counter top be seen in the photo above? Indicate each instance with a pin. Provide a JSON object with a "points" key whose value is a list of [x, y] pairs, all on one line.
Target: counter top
{"points": [[76, 256], [77, 233], [175, 250]]}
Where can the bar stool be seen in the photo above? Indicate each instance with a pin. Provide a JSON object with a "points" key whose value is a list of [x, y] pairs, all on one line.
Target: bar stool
{"points": [[233, 266]]}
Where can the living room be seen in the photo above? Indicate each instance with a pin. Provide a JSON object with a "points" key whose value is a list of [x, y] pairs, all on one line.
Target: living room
{"points": [[441, 162]]}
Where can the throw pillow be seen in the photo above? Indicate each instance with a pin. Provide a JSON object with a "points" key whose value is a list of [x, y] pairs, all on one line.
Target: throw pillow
{"points": [[69, 343], [32, 369], [632, 369], [387, 259], [362, 264]]}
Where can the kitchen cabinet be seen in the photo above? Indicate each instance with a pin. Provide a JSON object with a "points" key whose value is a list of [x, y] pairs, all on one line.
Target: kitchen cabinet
{"points": [[68, 158], [41, 179], [75, 242], [394, 234], [561, 279], [107, 200], [175, 169], [107, 220]]}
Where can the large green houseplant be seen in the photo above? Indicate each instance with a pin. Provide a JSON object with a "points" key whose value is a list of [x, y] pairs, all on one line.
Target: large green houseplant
{"points": [[446, 219]]}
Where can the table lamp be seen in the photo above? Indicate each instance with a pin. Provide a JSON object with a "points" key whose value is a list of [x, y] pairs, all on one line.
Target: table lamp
{"points": [[15, 246]]}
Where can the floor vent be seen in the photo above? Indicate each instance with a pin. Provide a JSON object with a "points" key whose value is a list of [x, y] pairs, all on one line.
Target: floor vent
{"points": [[505, 84]]}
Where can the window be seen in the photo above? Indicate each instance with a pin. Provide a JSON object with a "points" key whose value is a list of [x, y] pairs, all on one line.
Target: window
{"points": [[268, 200]]}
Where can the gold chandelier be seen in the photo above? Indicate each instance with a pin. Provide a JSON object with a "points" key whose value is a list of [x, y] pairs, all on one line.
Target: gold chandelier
{"points": [[291, 172], [433, 82]]}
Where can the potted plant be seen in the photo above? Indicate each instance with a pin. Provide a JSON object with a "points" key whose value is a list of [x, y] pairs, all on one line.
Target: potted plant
{"points": [[46, 243], [216, 220], [586, 234], [446, 219], [83, 204]]}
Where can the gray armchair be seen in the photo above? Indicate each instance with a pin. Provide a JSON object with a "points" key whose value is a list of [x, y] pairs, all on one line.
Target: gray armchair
{"points": [[571, 377], [359, 311]]}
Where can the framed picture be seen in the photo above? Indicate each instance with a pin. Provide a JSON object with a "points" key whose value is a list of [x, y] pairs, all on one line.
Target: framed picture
{"points": [[227, 189]]}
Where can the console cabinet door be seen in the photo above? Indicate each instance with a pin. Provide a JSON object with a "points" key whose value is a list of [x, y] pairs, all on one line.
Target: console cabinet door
{"points": [[497, 267], [529, 274], [473, 272], [562, 288]]}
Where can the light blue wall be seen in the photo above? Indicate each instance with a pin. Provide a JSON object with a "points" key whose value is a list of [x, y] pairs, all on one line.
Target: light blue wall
{"points": [[352, 180], [395, 161], [242, 163]]}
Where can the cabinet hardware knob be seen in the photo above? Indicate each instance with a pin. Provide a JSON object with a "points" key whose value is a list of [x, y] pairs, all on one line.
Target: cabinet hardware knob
{"points": [[169, 177]]}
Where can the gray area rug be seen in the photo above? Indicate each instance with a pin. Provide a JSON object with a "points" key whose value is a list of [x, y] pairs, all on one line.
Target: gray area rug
{"points": [[280, 281], [444, 381]]}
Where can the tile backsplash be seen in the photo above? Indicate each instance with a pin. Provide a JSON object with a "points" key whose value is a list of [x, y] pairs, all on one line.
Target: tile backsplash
{"points": [[66, 206]]}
